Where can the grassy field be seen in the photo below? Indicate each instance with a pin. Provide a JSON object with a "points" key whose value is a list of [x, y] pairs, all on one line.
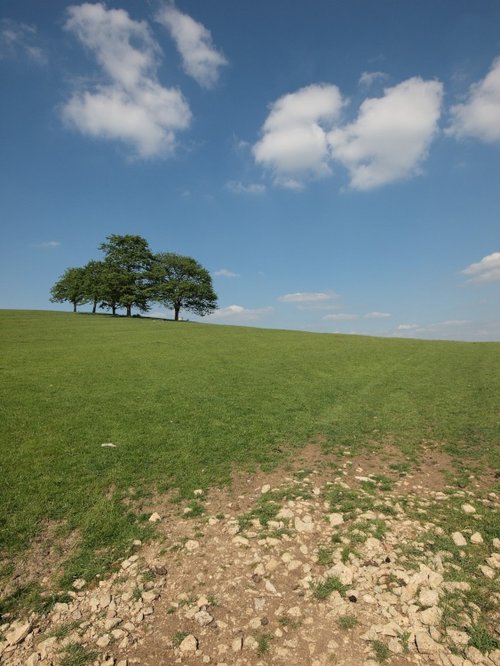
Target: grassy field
{"points": [[184, 403]]}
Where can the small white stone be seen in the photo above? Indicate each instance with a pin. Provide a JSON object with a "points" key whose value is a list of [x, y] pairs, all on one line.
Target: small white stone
{"points": [[154, 517], [79, 583], [468, 508], [189, 644], [458, 539], [191, 545], [336, 519], [17, 632], [487, 571], [428, 598], [476, 538], [265, 489]]}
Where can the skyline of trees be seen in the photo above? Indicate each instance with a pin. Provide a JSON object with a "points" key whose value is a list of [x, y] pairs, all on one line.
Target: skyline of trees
{"points": [[131, 276]]}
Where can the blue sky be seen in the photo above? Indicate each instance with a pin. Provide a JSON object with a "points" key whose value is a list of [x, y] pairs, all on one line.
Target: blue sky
{"points": [[334, 164]]}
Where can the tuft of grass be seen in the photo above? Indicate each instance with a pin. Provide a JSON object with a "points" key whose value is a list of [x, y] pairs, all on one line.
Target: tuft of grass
{"points": [[380, 651], [178, 637], [264, 641], [482, 639], [323, 589], [77, 655], [347, 621], [324, 556]]}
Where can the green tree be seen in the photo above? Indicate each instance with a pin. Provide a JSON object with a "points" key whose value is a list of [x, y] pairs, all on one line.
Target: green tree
{"points": [[95, 282], [70, 287], [179, 282], [128, 260]]}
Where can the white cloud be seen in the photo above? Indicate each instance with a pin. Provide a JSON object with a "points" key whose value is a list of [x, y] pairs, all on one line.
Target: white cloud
{"points": [[225, 273], [391, 135], [367, 79], [387, 142], [200, 58], [18, 40], [307, 297], [240, 188], [294, 136], [486, 270], [377, 315], [479, 116], [134, 107], [341, 316], [239, 313]]}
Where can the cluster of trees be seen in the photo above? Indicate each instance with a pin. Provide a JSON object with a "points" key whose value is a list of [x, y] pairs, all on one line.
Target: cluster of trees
{"points": [[131, 276]]}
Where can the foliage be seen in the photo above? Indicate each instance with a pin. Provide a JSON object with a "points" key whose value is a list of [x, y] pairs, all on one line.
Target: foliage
{"points": [[130, 276], [94, 282], [127, 261], [181, 282], [70, 287]]}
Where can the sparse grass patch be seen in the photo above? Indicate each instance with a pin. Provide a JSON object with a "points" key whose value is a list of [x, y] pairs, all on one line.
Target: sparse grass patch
{"points": [[77, 655], [178, 637], [347, 621], [380, 651], [264, 641], [323, 589], [482, 639], [324, 556]]}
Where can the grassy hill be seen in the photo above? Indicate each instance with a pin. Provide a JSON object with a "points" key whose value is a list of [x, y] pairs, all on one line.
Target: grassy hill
{"points": [[184, 403]]}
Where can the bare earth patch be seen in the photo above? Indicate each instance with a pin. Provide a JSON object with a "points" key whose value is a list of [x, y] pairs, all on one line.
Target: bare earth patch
{"points": [[352, 560]]}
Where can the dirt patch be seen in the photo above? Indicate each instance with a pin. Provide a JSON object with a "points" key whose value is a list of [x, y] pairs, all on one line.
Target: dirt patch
{"points": [[336, 559]]}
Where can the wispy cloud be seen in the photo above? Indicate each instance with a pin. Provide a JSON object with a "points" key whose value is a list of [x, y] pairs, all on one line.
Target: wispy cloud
{"points": [[486, 270], [479, 115], [436, 327], [200, 59], [377, 315], [133, 107], [225, 273], [293, 144], [239, 313], [47, 244], [238, 187], [391, 136], [341, 316], [308, 297], [19, 40], [367, 79]]}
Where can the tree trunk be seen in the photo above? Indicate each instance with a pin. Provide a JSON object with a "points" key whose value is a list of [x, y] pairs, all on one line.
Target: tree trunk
{"points": [[95, 306], [129, 310], [113, 310], [74, 306], [176, 312]]}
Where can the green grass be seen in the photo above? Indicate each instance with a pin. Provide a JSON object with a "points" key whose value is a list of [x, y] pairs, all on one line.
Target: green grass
{"points": [[324, 588], [347, 621], [185, 403], [76, 655], [380, 651]]}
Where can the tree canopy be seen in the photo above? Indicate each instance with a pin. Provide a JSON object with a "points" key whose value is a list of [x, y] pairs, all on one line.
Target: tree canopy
{"points": [[131, 276], [181, 282], [70, 287]]}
